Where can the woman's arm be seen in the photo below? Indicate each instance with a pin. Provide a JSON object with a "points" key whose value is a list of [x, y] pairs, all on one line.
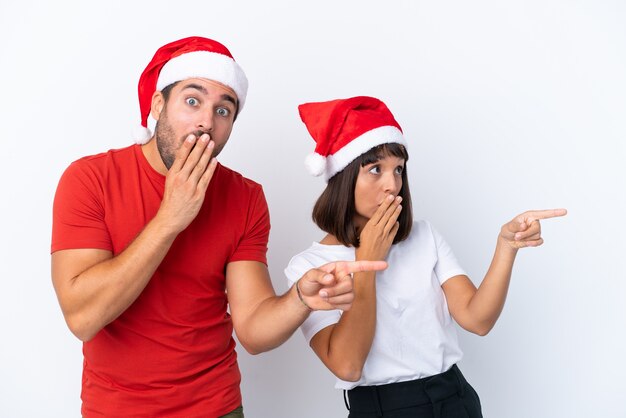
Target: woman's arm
{"points": [[344, 347], [477, 310]]}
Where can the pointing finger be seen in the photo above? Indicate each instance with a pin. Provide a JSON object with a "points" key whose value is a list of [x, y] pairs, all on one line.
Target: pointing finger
{"points": [[342, 268], [546, 214], [362, 265]]}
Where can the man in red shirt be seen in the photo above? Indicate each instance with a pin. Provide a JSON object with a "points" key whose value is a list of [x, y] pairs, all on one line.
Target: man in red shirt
{"points": [[151, 244]]}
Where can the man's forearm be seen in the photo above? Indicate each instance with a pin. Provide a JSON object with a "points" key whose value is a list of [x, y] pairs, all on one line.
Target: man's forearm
{"points": [[272, 322]]}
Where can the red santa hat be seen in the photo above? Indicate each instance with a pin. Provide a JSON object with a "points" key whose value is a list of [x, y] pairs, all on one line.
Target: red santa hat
{"points": [[346, 128], [193, 57]]}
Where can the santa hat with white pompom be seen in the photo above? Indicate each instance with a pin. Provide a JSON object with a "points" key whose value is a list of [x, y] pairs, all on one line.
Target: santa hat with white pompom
{"points": [[344, 129], [193, 57]]}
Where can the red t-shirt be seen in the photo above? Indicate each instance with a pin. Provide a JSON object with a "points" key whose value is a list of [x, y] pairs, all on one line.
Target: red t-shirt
{"points": [[171, 353]]}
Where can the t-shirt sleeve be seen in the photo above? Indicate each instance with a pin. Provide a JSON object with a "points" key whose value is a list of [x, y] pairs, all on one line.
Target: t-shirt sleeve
{"points": [[78, 211], [317, 320], [447, 265], [253, 244]]}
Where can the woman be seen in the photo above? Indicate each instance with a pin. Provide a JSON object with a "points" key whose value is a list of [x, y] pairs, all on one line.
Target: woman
{"points": [[395, 351]]}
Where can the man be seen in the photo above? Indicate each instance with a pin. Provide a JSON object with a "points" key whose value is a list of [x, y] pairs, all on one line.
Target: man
{"points": [[150, 243]]}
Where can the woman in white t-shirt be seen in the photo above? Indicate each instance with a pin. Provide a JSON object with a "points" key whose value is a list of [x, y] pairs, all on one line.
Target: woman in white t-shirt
{"points": [[395, 351]]}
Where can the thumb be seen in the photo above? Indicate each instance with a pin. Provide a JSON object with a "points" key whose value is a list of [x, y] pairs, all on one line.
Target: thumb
{"points": [[518, 226], [316, 278]]}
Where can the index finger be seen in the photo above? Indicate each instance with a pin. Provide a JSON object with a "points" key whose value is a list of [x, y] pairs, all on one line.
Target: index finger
{"points": [[547, 213], [358, 266], [382, 209], [183, 152]]}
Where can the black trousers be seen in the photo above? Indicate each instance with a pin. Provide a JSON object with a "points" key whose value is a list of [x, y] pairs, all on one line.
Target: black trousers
{"points": [[446, 395]]}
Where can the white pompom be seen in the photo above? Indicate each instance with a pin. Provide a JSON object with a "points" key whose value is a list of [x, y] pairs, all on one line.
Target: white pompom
{"points": [[141, 135], [315, 164]]}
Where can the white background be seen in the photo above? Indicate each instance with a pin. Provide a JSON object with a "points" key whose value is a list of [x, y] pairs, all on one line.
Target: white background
{"points": [[507, 106]]}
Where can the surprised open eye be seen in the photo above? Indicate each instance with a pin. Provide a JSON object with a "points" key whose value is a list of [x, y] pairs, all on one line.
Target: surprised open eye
{"points": [[374, 169], [222, 111], [191, 101]]}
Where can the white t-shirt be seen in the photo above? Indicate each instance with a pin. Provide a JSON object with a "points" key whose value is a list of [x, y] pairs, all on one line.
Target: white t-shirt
{"points": [[415, 335]]}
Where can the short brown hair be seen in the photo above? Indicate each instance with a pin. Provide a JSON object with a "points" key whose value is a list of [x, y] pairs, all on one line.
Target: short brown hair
{"points": [[335, 209]]}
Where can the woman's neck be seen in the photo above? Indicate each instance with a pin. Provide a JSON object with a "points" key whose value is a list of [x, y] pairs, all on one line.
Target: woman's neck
{"points": [[330, 240]]}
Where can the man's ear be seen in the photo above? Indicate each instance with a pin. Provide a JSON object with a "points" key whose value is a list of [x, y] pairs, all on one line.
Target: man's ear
{"points": [[158, 103]]}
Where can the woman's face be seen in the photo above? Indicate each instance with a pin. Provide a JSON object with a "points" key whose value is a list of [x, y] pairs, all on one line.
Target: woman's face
{"points": [[374, 182]]}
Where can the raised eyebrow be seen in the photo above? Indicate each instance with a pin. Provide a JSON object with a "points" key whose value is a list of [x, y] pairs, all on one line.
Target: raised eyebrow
{"points": [[376, 161], [198, 87], [201, 89], [229, 98]]}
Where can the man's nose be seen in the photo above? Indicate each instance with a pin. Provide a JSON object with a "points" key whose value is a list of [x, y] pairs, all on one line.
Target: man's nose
{"points": [[205, 123]]}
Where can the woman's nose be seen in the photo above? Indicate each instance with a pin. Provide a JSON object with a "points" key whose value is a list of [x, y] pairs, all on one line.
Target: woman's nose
{"points": [[391, 183]]}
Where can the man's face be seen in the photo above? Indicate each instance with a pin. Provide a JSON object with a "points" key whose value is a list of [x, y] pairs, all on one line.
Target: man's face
{"points": [[195, 106]]}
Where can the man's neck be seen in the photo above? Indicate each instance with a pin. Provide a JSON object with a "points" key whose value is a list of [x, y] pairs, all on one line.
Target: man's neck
{"points": [[151, 153]]}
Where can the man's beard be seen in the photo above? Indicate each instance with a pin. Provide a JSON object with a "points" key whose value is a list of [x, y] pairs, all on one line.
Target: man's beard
{"points": [[167, 142], [165, 139]]}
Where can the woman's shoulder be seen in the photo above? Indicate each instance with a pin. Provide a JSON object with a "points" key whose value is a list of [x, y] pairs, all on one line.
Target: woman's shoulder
{"points": [[420, 229], [322, 253], [421, 224], [423, 235]]}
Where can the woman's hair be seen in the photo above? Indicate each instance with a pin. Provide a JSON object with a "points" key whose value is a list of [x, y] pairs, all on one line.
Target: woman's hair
{"points": [[335, 209]]}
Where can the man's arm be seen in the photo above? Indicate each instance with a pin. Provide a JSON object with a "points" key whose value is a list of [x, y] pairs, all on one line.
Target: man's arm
{"points": [[264, 321], [93, 287]]}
